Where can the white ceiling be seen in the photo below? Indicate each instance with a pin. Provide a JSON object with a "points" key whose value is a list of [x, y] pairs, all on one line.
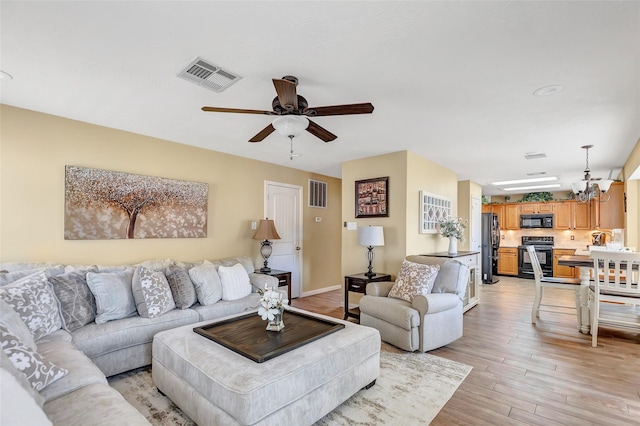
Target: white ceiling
{"points": [[450, 81]]}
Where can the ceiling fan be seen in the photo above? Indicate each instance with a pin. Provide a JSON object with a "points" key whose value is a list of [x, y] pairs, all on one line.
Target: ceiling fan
{"points": [[289, 104]]}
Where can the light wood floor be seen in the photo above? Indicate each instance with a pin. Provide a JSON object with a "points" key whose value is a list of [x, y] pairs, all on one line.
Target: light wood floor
{"points": [[539, 374]]}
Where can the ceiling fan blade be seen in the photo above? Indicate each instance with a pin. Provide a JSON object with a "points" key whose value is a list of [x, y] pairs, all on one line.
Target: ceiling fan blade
{"points": [[236, 110], [320, 132], [287, 95], [364, 108], [263, 134]]}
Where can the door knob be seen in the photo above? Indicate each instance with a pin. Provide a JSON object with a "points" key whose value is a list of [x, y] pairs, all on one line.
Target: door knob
{"points": [[297, 248]]}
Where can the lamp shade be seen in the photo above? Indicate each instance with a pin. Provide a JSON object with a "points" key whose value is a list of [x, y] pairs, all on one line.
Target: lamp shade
{"points": [[371, 236], [577, 186], [291, 125], [266, 231], [604, 184]]}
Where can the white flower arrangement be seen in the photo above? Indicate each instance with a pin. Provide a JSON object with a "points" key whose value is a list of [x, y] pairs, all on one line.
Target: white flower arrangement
{"points": [[272, 303], [452, 227]]}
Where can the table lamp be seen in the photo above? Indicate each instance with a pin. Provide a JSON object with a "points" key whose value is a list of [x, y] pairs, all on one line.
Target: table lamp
{"points": [[266, 231], [370, 236]]}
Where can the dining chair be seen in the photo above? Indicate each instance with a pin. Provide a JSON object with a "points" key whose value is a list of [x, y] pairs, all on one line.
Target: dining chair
{"points": [[551, 282], [614, 296]]}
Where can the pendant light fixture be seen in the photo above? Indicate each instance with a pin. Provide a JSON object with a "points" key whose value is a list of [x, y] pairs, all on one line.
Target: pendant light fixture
{"points": [[591, 188]]}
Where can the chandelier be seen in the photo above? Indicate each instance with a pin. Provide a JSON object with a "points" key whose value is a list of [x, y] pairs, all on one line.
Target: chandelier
{"points": [[591, 188]]}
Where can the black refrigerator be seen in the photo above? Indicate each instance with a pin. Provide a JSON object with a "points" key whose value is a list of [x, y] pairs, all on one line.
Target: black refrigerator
{"points": [[490, 244]]}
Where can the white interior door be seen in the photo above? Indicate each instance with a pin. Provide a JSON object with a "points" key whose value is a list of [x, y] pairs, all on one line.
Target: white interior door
{"points": [[283, 205], [476, 224]]}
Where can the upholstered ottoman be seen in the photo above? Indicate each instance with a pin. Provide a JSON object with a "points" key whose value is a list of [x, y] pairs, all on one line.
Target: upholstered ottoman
{"points": [[214, 385]]}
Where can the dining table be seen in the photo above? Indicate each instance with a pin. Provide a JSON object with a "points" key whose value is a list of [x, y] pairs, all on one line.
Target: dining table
{"points": [[585, 264]]}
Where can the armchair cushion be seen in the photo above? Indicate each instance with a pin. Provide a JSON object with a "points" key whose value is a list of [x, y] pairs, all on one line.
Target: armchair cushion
{"points": [[414, 279], [394, 311]]}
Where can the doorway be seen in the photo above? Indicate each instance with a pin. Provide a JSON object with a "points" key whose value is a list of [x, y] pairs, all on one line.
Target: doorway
{"points": [[283, 204]]}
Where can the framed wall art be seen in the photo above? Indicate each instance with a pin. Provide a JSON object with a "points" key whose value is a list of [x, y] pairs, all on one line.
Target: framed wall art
{"points": [[103, 204], [433, 209], [372, 197]]}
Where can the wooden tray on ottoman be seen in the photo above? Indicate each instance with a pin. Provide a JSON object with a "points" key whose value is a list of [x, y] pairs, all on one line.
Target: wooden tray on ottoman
{"points": [[247, 334]]}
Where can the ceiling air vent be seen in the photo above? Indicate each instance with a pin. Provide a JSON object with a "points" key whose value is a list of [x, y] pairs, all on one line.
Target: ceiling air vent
{"points": [[208, 75], [534, 155]]}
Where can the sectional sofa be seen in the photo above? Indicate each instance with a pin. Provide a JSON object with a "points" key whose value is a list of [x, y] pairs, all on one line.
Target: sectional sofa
{"points": [[65, 328]]}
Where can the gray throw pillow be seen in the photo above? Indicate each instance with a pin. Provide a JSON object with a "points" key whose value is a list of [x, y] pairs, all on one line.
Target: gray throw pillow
{"points": [[7, 365], [207, 282], [112, 291], [452, 278], [151, 292], [75, 300], [32, 298], [38, 370], [182, 289]]}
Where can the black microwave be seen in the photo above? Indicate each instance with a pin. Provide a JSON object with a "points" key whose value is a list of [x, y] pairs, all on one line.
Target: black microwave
{"points": [[528, 221]]}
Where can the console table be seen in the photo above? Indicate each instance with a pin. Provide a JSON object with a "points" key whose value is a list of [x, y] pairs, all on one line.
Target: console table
{"points": [[358, 283], [472, 260]]}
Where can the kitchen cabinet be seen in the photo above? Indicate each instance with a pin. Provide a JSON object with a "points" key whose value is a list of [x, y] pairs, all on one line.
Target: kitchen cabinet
{"points": [[486, 208], [609, 214], [571, 215], [498, 209], [508, 261], [561, 271], [511, 217], [535, 208]]}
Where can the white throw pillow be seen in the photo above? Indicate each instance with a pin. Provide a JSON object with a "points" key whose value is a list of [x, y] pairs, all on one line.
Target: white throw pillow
{"points": [[151, 292], [112, 291], [414, 279], [32, 298], [235, 282], [207, 283]]}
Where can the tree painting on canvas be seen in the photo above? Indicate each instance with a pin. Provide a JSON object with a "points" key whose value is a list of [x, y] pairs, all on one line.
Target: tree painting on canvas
{"points": [[103, 204]]}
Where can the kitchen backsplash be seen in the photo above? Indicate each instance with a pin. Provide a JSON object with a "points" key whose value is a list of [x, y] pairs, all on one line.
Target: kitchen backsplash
{"points": [[562, 239]]}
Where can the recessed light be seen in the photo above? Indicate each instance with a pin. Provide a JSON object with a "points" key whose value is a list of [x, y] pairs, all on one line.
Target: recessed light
{"points": [[547, 90], [524, 188], [5, 76], [530, 180]]}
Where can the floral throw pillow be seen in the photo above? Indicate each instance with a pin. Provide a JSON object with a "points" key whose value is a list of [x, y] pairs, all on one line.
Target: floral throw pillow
{"points": [[38, 370], [414, 279], [151, 292], [32, 298]]}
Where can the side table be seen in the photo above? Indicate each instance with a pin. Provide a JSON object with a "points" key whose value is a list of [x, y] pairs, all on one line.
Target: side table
{"points": [[284, 278], [358, 283]]}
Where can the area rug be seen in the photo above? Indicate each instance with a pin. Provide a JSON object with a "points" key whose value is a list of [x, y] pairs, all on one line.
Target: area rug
{"points": [[411, 389]]}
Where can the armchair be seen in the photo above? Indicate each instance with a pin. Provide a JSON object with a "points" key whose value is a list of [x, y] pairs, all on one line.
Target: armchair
{"points": [[427, 322]]}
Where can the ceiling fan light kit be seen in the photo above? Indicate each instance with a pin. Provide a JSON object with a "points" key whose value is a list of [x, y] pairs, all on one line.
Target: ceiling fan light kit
{"points": [[291, 125]]}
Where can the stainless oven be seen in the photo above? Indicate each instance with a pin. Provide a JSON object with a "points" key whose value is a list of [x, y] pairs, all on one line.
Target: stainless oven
{"points": [[544, 252]]}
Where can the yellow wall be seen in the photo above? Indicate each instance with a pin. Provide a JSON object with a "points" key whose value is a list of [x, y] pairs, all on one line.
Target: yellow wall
{"points": [[632, 190], [35, 148], [408, 175]]}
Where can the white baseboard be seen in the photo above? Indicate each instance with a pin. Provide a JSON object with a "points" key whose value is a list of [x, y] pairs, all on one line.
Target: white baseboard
{"points": [[320, 291]]}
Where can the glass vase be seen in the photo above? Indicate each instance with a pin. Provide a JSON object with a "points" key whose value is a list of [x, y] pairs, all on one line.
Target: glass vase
{"points": [[277, 323]]}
